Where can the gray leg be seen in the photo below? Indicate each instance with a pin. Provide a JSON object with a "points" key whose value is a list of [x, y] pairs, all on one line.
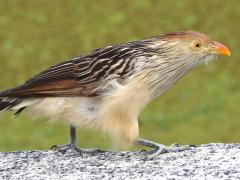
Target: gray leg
{"points": [[72, 145], [160, 148]]}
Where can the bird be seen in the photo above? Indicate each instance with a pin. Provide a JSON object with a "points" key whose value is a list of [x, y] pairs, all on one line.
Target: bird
{"points": [[109, 87]]}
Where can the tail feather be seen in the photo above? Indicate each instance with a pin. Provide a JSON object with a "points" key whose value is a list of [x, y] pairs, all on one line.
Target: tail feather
{"points": [[6, 104], [19, 110]]}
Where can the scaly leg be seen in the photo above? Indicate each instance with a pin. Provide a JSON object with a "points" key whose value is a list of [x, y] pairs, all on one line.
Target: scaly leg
{"points": [[72, 145], [160, 148]]}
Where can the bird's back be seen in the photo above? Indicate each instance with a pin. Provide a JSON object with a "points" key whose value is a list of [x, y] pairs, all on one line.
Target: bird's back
{"points": [[80, 76]]}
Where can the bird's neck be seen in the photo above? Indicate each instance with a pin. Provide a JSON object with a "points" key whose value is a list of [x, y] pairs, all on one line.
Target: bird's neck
{"points": [[160, 75]]}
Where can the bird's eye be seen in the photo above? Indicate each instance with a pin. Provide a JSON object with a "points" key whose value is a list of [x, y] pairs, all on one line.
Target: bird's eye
{"points": [[197, 45]]}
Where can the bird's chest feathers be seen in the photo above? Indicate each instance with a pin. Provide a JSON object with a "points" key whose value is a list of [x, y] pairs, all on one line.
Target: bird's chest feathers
{"points": [[128, 100], [119, 110]]}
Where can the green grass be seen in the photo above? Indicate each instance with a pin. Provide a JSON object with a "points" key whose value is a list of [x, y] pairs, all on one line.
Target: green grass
{"points": [[202, 107]]}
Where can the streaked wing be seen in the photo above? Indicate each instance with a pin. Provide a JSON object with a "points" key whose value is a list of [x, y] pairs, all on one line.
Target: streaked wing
{"points": [[81, 76]]}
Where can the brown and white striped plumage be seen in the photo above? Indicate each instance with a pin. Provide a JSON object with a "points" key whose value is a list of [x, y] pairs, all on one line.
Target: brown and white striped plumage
{"points": [[109, 87]]}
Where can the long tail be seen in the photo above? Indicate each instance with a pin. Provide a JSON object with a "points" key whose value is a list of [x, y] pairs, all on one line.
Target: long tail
{"points": [[9, 104]]}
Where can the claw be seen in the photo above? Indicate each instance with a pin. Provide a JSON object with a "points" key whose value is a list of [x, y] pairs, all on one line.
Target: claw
{"points": [[56, 147], [192, 145], [53, 147], [174, 145], [142, 151], [147, 153]]}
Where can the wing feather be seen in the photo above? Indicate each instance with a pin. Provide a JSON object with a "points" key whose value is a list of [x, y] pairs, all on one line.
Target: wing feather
{"points": [[81, 76]]}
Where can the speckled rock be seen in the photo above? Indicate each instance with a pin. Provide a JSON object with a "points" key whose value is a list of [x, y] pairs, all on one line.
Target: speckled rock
{"points": [[211, 161]]}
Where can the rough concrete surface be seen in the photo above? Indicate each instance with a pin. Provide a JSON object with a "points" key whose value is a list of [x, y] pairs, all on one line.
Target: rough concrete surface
{"points": [[211, 161]]}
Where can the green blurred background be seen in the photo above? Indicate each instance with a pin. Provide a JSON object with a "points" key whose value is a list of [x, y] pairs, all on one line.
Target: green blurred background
{"points": [[203, 107]]}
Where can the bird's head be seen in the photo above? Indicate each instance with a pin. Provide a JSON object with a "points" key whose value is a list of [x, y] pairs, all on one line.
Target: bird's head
{"points": [[191, 46]]}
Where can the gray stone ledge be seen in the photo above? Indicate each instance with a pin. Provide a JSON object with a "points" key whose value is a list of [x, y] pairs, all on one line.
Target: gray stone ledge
{"points": [[210, 161]]}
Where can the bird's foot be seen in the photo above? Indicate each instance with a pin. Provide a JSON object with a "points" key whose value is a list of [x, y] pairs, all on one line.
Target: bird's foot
{"points": [[78, 151], [160, 148]]}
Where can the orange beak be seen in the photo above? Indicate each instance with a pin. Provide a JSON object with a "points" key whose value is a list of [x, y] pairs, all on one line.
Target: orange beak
{"points": [[218, 48]]}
